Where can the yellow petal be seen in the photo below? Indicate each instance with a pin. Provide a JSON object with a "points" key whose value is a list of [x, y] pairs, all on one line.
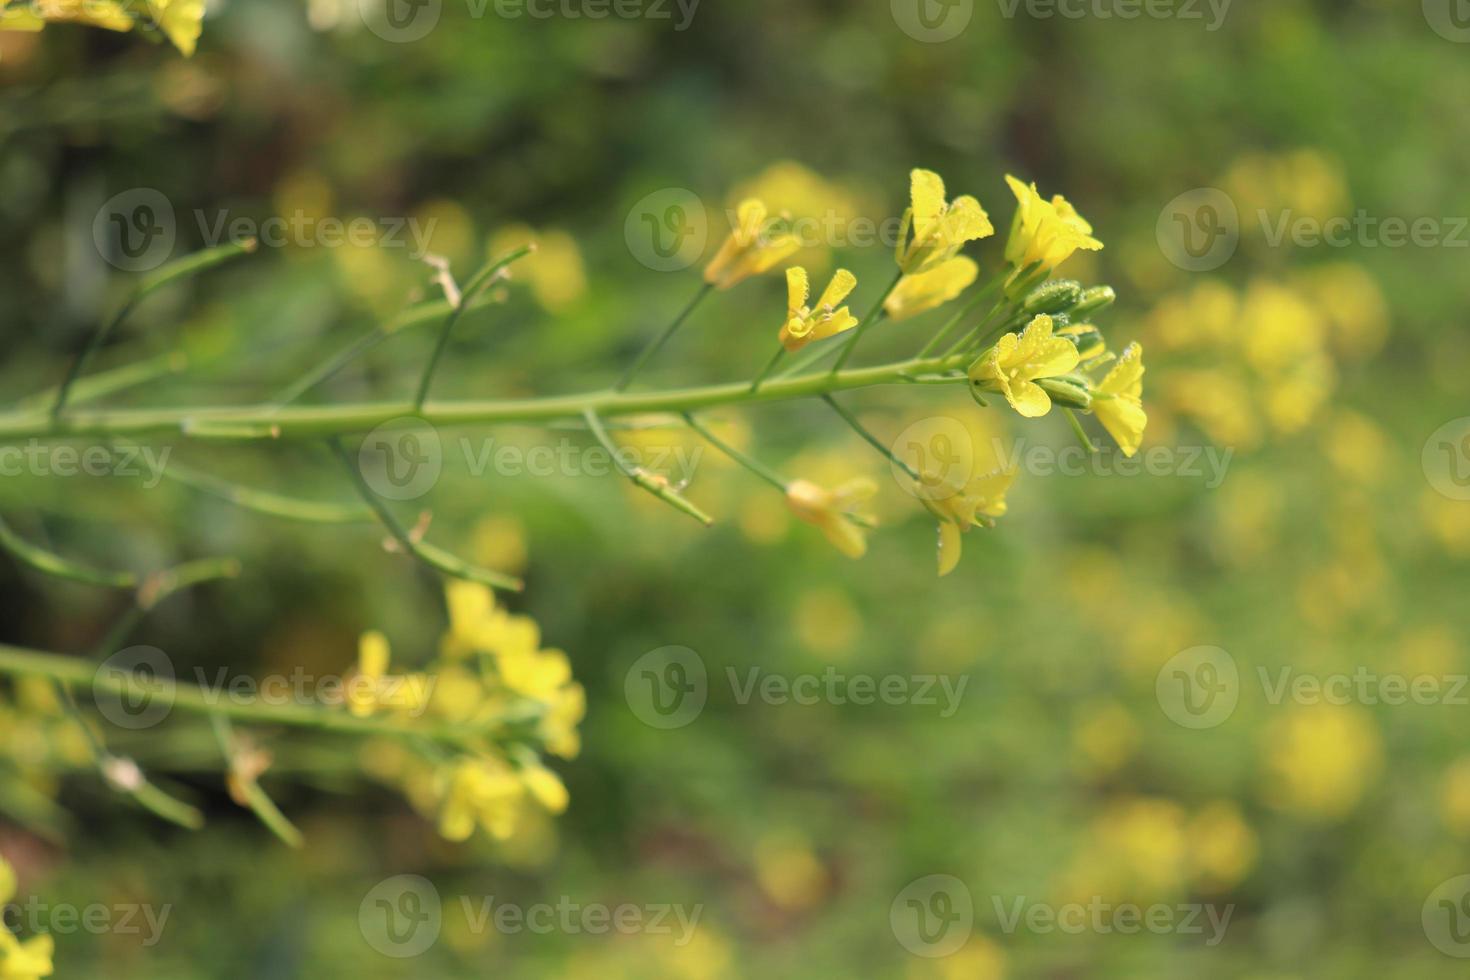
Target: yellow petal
{"points": [[926, 192], [1028, 399], [7, 882], [843, 282], [966, 221], [372, 654], [797, 289], [1126, 377], [546, 788], [845, 536], [949, 547], [916, 294], [181, 21], [1125, 420]]}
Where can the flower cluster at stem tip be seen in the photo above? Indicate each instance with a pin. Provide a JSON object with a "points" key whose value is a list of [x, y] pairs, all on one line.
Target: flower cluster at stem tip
{"points": [[1037, 348]]}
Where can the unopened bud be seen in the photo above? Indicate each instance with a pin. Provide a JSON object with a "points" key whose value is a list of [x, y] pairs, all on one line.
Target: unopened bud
{"points": [[1056, 296]]}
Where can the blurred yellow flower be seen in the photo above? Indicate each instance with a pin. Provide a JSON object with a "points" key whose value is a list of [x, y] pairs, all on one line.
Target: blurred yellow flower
{"points": [[181, 21], [1320, 760], [960, 505], [371, 688], [555, 271], [832, 511], [112, 15], [480, 792], [1222, 847], [27, 960], [1045, 232], [1014, 363], [789, 873], [940, 229], [1118, 400], [922, 292], [751, 248], [1454, 798], [803, 324]]}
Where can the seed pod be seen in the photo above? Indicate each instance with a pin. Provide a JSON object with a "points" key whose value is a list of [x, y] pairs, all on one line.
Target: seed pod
{"points": [[1070, 390]]}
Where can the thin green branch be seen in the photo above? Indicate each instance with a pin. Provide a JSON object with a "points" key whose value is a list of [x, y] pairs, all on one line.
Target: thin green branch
{"points": [[246, 783], [652, 482], [770, 366], [867, 322], [954, 321], [868, 437], [267, 502], [112, 381], [434, 557], [477, 282], [53, 564], [655, 345], [187, 266], [754, 465]]}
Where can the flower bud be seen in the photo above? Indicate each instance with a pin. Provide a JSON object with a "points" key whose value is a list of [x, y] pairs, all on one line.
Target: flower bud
{"points": [[1089, 339], [1094, 299], [1070, 390], [1056, 296]]}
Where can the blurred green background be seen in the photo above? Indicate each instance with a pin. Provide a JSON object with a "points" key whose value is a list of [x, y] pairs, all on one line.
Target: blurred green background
{"points": [[1326, 549]]}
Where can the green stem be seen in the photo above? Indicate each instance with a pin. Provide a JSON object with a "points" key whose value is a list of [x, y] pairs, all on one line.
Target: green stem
{"points": [[653, 483], [434, 557], [266, 502], [199, 700], [318, 421], [770, 366], [1080, 432], [867, 321], [471, 289], [954, 321], [868, 437], [112, 381], [254, 797], [750, 463], [53, 564], [658, 342]]}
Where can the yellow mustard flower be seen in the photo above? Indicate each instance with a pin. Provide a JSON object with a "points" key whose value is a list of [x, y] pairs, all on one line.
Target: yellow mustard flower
{"points": [[1045, 232], [803, 324], [1014, 363], [27, 960], [372, 688], [831, 511], [480, 792], [960, 506], [19, 18], [180, 20], [940, 229], [922, 292], [751, 249], [1118, 400], [111, 15]]}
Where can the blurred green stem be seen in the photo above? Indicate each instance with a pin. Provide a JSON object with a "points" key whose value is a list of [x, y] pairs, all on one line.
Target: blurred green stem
{"points": [[658, 342]]}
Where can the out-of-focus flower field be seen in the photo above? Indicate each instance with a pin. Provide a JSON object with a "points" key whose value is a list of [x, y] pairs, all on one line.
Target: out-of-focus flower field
{"points": [[1220, 683]]}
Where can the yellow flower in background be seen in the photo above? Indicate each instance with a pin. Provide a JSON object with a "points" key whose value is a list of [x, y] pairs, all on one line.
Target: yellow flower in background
{"points": [[1014, 363], [1321, 759], [751, 249], [1454, 798], [27, 960], [831, 511], [959, 507], [803, 324], [21, 18], [371, 688], [940, 229], [480, 792], [1045, 232], [555, 271], [922, 292], [1118, 400], [181, 21], [1222, 847], [108, 14]]}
